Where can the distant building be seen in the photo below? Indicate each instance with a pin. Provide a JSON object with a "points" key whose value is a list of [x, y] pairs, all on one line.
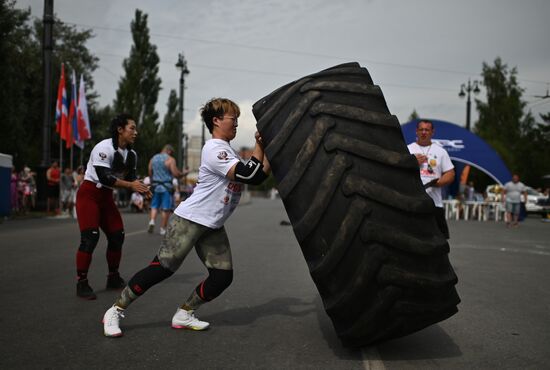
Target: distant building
{"points": [[194, 153]]}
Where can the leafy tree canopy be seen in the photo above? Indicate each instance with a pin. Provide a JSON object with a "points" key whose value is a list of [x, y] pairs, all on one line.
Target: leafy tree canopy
{"points": [[21, 96], [138, 89], [522, 143]]}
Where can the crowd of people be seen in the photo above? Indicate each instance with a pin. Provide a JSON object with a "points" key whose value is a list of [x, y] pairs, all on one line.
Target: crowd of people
{"points": [[22, 190], [61, 189], [63, 186]]}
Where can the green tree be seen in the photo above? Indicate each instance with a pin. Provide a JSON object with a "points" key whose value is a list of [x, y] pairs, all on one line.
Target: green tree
{"points": [[17, 69], [544, 129], [138, 89], [70, 49], [169, 129], [534, 150], [414, 115], [504, 125], [21, 95]]}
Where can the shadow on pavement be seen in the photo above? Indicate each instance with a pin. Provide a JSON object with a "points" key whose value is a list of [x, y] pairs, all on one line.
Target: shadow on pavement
{"points": [[241, 316], [329, 334], [430, 343]]}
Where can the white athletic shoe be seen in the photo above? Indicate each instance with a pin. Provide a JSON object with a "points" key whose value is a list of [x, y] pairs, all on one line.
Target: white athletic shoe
{"points": [[186, 320], [162, 231], [111, 322], [151, 227]]}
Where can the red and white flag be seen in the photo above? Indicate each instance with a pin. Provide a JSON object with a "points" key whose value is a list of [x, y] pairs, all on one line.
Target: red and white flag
{"points": [[83, 122], [61, 117]]}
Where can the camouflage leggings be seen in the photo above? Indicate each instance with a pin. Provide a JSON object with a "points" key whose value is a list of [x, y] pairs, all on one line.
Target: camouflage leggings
{"points": [[182, 235], [212, 245]]}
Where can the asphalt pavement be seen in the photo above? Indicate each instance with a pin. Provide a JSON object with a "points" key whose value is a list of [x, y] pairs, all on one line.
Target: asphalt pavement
{"points": [[271, 317]]}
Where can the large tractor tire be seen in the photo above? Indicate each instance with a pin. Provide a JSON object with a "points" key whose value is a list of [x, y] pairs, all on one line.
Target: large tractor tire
{"points": [[359, 211]]}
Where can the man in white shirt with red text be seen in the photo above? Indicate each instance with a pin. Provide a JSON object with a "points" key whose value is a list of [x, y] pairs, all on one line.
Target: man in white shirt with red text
{"points": [[436, 168]]}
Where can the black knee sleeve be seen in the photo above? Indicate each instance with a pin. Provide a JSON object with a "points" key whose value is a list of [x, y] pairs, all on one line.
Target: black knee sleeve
{"points": [[88, 240], [115, 240], [217, 281], [149, 276]]}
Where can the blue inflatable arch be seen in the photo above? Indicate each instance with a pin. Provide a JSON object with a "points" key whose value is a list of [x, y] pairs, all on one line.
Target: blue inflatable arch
{"points": [[465, 147]]}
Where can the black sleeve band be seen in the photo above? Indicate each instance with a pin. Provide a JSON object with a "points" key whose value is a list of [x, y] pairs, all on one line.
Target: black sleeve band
{"points": [[250, 172], [131, 164], [105, 175]]}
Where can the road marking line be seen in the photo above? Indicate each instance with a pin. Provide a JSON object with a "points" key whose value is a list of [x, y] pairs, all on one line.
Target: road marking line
{"points": [[371, 359], [503, 249], [136, 233]]}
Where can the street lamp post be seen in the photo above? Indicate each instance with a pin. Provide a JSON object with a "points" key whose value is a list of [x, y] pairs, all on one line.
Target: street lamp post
{"points": [[182, 66], [465, 90], [47, 48]]}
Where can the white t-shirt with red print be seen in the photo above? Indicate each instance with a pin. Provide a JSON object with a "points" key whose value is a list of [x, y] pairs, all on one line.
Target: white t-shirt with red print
{"points": [[438, 162], [215, 197]]}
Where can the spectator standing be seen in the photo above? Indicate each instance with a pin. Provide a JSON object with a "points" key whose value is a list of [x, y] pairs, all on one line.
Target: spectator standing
{"points": [[28, 189], [511, 195], [470, 192], [53, 175], [162, 170], [66, 190]]}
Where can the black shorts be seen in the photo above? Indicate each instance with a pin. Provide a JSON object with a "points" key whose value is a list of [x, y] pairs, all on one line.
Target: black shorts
{"points": [[53, 191], [441, 222]]}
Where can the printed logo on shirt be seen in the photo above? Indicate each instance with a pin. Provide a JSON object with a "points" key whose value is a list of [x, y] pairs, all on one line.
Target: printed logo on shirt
{"points": [[427, 169], [102, 156], [222, 155]]}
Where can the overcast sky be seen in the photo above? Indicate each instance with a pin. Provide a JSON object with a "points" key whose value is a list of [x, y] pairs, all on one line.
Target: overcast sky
{"points": [[419, 52]]}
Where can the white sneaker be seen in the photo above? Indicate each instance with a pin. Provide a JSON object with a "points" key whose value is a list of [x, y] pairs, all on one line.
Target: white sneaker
{"points": [[162, 231], [151, 227], [111, 322], [186, 320]]}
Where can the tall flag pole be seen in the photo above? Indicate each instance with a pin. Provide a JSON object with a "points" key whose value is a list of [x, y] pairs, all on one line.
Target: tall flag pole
{"points": [[61, 119]]}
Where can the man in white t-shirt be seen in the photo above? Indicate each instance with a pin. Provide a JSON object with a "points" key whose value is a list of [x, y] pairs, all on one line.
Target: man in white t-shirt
{"points": [[199, 220], [436, 168]]}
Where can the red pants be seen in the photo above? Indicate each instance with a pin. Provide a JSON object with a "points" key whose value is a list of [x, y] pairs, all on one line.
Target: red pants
{"points": [[95, 208]]}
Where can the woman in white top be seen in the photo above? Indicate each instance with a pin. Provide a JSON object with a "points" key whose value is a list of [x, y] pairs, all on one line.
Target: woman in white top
{"points": [[199, 221], [112, 164]]}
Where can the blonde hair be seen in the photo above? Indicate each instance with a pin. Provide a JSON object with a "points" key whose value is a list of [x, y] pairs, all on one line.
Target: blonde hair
{"points": [[217, 107]]}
